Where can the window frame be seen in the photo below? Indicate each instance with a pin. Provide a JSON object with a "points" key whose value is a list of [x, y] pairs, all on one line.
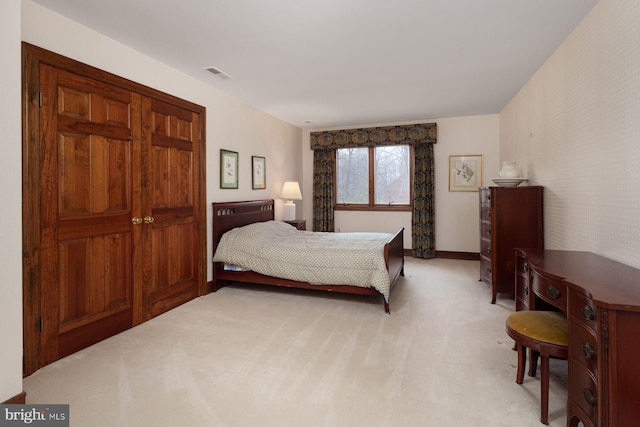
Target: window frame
{"points": [[372, 206]]}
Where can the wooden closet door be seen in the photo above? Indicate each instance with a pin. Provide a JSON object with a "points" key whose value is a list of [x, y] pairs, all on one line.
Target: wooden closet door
{"points": [[171, 271], [113, 199], [89, 144]]}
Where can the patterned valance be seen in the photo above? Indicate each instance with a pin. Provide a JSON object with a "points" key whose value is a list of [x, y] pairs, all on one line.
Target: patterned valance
{"points": [[422, 133]]}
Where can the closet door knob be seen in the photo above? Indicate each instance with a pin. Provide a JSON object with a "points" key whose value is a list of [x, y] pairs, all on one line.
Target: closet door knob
{"points": [[136, 220], [149, 219]]}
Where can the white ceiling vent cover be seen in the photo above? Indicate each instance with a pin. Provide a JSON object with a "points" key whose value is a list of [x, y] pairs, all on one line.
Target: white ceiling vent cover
{"points": [[218, 72]]}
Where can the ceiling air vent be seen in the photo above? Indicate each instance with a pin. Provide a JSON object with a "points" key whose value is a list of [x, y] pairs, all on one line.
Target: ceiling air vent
{"points": [[218, 72]]}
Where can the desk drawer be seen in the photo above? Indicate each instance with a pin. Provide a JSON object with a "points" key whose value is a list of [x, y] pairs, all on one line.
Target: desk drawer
{"points": [[551, 291], [583, 346], [522, 292], [522, 265], [582, 389], [581, 308]]}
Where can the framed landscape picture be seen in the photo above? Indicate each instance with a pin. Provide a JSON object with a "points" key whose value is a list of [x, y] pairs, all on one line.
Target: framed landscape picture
{"points": [[228, 169], [258, 173], [465, 173]]}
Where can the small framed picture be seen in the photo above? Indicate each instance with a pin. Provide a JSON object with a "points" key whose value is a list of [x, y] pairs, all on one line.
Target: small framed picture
{"points": [[258, 173], [465, 173], [228, 169]]}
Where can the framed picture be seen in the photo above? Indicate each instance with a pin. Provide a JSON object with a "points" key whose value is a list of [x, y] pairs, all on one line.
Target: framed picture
{"points": [[465, 173], [228, 169], [258, 173]]}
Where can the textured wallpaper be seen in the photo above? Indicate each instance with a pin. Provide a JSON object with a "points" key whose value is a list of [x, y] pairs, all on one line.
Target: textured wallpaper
{"points": [[575, 129]]}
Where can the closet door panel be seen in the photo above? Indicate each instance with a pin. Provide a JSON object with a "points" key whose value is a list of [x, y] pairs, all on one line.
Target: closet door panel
{"points": [[87, 233], [172, 138]]}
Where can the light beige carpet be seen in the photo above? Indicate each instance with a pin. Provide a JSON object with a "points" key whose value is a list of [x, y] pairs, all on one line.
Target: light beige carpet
{"points": [[264, 356]]}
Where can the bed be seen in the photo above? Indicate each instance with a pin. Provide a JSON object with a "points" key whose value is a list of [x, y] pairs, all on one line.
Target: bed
{"points": [[228, 216]]}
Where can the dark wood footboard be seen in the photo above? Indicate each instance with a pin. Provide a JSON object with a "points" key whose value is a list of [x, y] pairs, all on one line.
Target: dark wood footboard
{"points": [[229, 215], [394, 256]]}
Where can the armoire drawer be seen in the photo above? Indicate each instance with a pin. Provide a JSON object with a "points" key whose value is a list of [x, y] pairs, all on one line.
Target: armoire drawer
{"points": [[485, 212], [485, 195], [485, 248], [485, 270], [485, 230]]}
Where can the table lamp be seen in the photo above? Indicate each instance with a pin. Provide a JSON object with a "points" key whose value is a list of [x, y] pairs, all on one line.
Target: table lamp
{"points": [[290, 192]]}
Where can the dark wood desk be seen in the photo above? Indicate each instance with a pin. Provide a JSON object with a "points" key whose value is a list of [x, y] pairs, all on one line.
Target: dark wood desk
{"points": [[601, 299]]}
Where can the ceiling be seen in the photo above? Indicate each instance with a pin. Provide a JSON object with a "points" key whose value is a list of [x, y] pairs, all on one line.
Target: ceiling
{"points": [[327, 63]]}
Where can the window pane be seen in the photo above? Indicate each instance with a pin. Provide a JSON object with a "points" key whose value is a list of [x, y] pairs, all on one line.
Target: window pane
{"points": [[391, 180], [352, 175]]}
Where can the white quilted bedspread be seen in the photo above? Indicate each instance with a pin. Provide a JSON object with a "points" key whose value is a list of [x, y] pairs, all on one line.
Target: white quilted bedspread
{"points": [[278, 249]]}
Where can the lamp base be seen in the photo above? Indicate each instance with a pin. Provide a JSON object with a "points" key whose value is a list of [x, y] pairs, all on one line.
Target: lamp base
{"points": [[289, 210]]}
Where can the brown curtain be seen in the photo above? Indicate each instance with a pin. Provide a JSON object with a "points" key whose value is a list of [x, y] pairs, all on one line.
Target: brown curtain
{"points": [[423, 237], [323, 166]]}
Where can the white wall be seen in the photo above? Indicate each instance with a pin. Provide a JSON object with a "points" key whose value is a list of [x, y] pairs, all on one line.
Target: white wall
{"points": [[457, 224], [575, 126], [11, 196]]}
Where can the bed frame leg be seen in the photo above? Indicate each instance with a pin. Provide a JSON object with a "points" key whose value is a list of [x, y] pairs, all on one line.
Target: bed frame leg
{"points": [[218, 284], [386, 306]]}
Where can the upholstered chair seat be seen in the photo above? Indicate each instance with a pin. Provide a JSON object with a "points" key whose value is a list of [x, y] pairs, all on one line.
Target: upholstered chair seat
{"points": [[545, 334]]}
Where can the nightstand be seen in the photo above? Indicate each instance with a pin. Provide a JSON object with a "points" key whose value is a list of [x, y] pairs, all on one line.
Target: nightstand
{"points": [[300, 224]]}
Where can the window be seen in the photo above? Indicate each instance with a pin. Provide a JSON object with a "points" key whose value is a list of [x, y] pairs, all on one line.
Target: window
{"points": [[374, 178]]}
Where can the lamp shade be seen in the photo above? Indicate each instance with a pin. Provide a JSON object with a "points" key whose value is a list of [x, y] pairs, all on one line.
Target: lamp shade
{"points": [[291, 191]]}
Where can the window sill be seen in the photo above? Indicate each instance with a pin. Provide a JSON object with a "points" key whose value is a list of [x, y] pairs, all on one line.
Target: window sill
{"points": [[379, 208]]}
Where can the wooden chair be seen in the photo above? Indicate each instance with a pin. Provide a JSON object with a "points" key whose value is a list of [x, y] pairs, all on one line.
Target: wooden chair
{"points": [[545, 334]]}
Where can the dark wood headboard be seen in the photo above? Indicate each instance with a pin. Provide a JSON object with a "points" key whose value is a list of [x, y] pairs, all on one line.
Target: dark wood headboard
{"points": [[229, 215]]}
